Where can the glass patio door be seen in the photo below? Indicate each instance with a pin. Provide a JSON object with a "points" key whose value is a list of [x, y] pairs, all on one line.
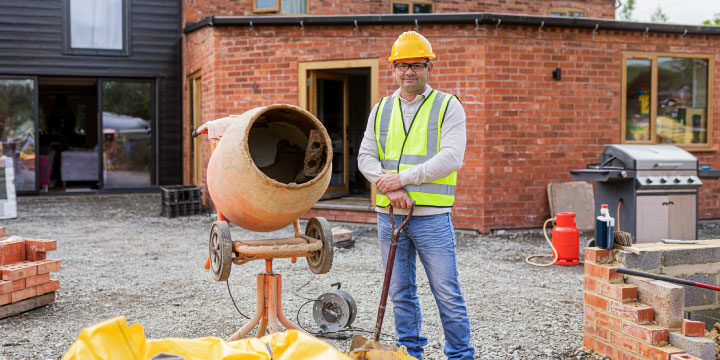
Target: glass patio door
{"points": [[18, 128], [126, 122]]}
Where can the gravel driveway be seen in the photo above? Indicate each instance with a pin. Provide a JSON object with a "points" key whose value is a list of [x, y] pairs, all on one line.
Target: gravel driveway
{"points": [[120, 257]]}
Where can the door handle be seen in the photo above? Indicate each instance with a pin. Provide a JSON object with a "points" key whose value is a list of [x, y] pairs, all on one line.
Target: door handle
{"points": [[668, 203]]}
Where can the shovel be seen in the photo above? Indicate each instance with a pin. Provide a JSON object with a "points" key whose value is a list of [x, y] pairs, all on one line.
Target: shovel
{"points": [[362, 347]]}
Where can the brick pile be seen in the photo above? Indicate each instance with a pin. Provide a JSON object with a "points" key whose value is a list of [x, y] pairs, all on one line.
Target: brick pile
{"points": [[616, 324], [25, 270]]}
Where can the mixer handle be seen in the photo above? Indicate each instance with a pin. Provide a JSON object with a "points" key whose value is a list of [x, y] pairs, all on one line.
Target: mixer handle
{"points": [[202, 130]]}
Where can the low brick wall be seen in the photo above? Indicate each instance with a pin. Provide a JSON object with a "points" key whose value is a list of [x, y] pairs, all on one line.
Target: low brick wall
{"points": [[618, 324]]}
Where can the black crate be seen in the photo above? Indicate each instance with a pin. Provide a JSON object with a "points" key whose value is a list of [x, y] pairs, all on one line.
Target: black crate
{"points": [[181, 200], [182, 209], [177, 194]]}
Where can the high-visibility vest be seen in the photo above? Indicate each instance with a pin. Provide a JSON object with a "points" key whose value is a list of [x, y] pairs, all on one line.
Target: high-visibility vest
{"points": [[399, 149]]}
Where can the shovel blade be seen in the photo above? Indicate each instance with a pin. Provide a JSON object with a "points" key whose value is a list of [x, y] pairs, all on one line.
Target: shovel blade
{"points": [[363, 348], [362, 343]]}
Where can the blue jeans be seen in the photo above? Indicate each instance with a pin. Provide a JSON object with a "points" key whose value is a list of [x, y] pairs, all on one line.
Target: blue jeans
{"points": [[433, 239]]}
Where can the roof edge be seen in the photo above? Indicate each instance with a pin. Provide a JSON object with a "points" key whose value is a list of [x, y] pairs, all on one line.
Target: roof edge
{"points": [[452, 18]]}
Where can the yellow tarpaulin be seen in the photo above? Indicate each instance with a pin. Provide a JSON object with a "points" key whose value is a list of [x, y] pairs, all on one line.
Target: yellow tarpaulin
{"points": [[113, 339]]}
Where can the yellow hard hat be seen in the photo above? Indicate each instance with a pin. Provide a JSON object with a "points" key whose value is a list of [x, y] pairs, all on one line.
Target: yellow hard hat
{"points": [[409, 45]]}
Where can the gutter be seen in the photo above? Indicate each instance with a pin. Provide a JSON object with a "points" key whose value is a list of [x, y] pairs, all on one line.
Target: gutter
{"points": [[476, 19]]}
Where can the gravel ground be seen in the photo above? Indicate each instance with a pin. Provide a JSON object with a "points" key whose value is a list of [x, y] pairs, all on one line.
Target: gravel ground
{"points": [[120, 257]]}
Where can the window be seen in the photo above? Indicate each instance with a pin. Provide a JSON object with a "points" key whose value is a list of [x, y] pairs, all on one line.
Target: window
{"points": [[96, 26], [412, 7], [566, 11], [280, 6], [665, 99]]}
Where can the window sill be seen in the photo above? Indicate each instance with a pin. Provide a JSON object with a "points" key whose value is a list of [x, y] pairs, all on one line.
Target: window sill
{"points": [[710, 149], [96, 52]]}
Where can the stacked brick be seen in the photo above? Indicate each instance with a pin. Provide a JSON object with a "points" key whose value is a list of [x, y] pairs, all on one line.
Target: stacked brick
{"points": [[24, 269], [615, 324]]}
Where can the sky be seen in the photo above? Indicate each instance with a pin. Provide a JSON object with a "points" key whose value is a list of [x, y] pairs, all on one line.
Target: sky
{"points": [[692, 12]]}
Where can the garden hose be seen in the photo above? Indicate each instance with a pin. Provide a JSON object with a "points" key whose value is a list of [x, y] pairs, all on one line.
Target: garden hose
{"points": [[554, 255]]}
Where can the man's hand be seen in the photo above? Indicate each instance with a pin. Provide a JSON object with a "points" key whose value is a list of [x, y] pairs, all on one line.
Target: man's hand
{"points": [[388, 181], [399, 199]]}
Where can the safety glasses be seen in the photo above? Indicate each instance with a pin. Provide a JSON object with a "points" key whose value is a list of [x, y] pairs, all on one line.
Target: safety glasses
{"points": [[416, 66]]}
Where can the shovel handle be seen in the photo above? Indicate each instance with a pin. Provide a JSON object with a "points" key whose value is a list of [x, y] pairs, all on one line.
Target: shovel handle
{"points": [[389, 267], [666, 278]]}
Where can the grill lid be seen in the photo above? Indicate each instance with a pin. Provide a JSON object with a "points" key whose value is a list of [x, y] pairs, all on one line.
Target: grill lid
{"points": [[646, 157]]}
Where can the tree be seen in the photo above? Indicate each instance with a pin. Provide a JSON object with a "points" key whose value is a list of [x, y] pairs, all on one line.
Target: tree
{"points": [[658, 16], [715, 21], [626, 9]]}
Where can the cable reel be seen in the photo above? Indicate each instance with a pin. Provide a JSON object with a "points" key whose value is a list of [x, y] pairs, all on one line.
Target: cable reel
{"points": [[334, 311]]}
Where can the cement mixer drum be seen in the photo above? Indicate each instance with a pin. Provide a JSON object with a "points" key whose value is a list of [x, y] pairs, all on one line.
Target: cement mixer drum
{"points": [[270, 166]]}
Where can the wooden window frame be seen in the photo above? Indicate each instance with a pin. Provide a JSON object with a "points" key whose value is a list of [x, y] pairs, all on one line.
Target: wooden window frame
{"points": [[653, 57], [265, 10], [277, 9], [306, 66], [410, 4], [191, 158], [566, 10]]}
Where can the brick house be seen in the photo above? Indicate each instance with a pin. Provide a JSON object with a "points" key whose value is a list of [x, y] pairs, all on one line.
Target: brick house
{"points": [[619, 82]]}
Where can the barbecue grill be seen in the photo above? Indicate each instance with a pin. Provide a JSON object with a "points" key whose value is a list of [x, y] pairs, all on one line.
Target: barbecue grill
{"points": [[656, 187]]}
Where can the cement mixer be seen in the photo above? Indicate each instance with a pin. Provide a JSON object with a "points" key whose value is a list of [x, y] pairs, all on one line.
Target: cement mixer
{"points": [[268, 167]]}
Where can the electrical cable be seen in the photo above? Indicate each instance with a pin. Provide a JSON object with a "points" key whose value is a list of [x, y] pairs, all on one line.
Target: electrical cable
{"points": [[554, 255], [295, 292], [227, 282]]}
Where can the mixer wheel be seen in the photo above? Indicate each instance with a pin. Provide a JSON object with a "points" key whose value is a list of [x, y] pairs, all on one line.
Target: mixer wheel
{"points": [[321, 261], [221, 250]]}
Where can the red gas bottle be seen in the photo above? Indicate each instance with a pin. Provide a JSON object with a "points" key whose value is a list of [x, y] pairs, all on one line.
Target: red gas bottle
{"points": [[566, 239]]}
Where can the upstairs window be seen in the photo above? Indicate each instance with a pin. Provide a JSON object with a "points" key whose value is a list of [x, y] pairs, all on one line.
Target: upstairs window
{"points": [[665, 99], [412, 7], [566, 11], [96, 26], [280, 6]]}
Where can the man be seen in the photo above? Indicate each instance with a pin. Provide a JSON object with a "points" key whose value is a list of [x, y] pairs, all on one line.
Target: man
{"points": [[412, 148]]}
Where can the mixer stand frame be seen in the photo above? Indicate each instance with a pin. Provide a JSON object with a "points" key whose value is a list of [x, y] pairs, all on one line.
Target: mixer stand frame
{"points": [[268, 308]]}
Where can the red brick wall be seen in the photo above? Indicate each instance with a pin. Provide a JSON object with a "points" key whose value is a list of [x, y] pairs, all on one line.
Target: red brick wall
{"points": [[525, 129], [194, 10]]}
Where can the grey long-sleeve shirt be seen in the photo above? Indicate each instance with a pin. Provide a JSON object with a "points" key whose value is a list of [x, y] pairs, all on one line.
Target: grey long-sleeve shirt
{"points": [[447, 160]]}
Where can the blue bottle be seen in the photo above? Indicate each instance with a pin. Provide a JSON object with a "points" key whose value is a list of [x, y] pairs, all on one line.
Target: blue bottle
{"points": [[605, 229]]}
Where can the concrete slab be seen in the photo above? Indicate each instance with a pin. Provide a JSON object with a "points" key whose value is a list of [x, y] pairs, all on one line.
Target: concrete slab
{"points": [[342, 237], [573, 196]]}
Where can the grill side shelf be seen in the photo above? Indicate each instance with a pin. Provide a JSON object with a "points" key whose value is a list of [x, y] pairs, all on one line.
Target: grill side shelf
{"points": [[709, 174], [601, 175]]}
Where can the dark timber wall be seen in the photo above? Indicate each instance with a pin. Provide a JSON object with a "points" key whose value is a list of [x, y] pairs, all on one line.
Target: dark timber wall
{"points": [[31, 43]]}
